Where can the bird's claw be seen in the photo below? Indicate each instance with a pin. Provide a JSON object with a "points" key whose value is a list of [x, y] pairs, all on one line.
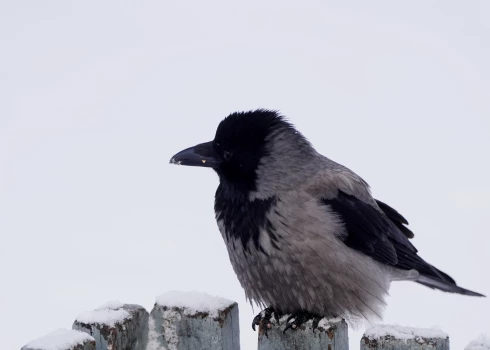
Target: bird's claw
{"points": [[263, 320], [297, 319], [256, 321], [316, 321]]}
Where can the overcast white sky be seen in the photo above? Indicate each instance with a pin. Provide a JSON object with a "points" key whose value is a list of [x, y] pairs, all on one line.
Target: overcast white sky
{"points": [[96, 96]]}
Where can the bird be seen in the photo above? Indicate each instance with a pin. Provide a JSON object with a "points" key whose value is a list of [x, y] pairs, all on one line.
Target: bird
{"points": [[304, 234]]}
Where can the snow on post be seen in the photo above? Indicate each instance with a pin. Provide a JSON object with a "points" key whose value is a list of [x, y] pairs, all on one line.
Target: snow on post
{"points": [[330, 335], [482, 343], [389, 337], [193, 320], [62, 339], [116, 326]]}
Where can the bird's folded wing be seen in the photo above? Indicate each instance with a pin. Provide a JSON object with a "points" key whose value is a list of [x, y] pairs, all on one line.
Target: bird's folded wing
{"points": [[370, 231], [372, 227]]}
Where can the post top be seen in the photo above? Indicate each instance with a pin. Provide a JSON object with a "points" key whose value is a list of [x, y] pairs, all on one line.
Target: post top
{"points": [[60, 339], [194, 302], [400, 332], [108, 314], [482, 343]]}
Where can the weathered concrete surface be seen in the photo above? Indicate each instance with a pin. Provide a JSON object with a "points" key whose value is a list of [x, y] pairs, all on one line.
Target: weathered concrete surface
{"points": [[62, 339], [330, 335], [387, 337], [180, 328], [130, 333]]}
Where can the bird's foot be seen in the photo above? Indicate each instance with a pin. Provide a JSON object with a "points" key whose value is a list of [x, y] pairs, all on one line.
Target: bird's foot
{"points": [[298, 318], [263, 320]]}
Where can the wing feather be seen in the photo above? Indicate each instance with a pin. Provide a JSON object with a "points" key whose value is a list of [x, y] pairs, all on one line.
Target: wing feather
{"points": [[372, 232]]}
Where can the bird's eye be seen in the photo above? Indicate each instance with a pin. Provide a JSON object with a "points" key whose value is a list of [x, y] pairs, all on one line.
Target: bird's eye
{"points": [[227, 155]]}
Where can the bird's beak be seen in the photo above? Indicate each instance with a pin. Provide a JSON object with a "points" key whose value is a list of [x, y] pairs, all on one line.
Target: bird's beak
{"points": [[201, 155]]}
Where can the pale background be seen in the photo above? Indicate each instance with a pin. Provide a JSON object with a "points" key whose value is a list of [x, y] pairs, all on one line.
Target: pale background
{"points": [[96, 96]]}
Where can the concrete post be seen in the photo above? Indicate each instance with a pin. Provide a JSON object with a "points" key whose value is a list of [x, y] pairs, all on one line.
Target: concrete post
{"points": [[482, 343], [193, 321], [330, 335], [388, 337], [116, 326]]}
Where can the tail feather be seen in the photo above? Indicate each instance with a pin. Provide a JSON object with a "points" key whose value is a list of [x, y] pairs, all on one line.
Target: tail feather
{"points": [[446, 286]]}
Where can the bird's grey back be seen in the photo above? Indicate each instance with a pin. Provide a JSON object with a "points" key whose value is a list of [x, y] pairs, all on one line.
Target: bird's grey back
{"points": [[291, 162]]}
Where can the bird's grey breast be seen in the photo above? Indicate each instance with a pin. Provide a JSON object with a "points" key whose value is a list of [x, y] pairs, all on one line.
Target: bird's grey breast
{"points": [[249, 235], [297, 259]]}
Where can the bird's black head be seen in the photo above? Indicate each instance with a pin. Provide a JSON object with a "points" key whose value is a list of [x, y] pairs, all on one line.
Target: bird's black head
{"points": [[238, 146]]}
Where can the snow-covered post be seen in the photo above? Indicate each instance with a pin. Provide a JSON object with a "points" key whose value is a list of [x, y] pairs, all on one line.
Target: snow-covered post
{"points": [[482, 343], [329, 335], [191, 321], [116, 326], [388, 337], [62, 339]]}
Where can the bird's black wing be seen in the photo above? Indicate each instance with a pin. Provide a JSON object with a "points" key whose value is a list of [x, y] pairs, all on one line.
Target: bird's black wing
{"points": [[396, 218], [377, 234]]}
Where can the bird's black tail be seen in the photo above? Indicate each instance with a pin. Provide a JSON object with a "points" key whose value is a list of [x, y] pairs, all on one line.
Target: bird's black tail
{"points": [[440, 280]]}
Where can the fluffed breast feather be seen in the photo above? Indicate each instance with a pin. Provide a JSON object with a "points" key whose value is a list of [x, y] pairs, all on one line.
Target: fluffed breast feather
{"points": [[306, 265]]}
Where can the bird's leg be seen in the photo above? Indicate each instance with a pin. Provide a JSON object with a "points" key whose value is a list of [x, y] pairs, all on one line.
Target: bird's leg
{"points": [[263, 319], [298, 318]]}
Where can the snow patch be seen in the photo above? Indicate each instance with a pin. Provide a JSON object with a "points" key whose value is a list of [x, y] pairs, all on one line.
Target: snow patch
{"points": [[60, 339], [327, 323], [108, 313], [193, 302], [113, 305], [103, 316], [482, 343], [405, 333]]}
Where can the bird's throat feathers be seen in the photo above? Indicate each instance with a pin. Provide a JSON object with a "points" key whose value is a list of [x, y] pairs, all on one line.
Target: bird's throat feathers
{"points": [[243, 219]]}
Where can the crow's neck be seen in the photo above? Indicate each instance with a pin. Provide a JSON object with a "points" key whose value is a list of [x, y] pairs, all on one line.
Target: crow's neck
{"points": [[242, 218]]}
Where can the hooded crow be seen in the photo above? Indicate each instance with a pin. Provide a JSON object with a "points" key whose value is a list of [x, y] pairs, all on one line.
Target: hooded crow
{"points": [[304, 235]]}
